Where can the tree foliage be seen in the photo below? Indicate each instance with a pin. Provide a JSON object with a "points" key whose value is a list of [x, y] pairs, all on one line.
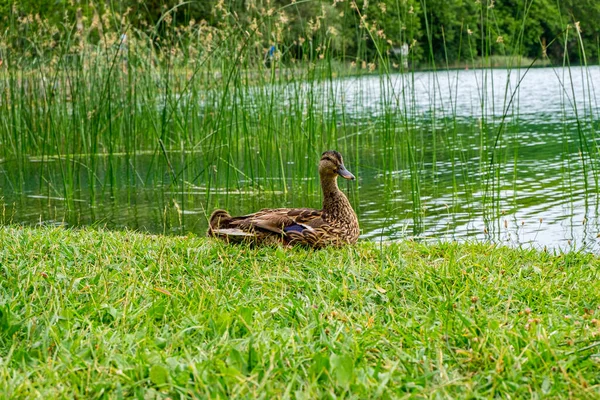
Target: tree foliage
{"points": [[436, 31]]}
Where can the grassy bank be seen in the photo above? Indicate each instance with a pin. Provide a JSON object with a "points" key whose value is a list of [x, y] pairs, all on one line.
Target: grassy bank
{"points": [[88, 314]]}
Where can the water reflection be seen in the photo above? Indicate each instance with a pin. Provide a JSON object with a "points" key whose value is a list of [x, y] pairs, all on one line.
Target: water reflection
{"points": [[540, 190]]}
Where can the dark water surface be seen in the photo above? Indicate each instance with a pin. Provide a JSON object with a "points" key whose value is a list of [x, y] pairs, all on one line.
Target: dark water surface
{"points": [[486, 155]]}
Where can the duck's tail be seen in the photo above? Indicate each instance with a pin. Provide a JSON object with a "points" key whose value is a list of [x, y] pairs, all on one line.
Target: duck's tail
{"points": [[219, 225], [219, 219]]}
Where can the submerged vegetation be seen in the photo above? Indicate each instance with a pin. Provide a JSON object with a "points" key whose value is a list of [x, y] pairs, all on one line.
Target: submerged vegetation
{"points": [[87, 313]]}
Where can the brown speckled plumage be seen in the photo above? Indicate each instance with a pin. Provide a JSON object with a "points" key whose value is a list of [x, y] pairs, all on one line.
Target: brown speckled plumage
{"points": [[334, 225]]}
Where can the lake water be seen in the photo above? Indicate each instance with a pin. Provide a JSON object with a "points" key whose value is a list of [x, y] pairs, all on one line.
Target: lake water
{"points": [[510, 157]]}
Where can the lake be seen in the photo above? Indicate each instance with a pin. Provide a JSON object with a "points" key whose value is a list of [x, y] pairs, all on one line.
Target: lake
{"points": [[505, 156]]}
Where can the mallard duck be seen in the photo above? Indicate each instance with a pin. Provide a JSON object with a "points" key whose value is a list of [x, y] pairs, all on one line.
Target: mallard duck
{"points": [[336, 224]]}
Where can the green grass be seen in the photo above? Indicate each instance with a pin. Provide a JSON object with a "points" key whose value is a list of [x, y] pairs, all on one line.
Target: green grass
{"points": [[90, 314]]}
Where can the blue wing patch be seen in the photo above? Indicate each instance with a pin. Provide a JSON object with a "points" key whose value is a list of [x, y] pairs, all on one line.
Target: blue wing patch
{"points": [[294, 228]]}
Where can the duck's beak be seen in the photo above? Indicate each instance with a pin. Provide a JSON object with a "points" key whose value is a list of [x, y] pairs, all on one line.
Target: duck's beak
{"points": [[344, 173]]}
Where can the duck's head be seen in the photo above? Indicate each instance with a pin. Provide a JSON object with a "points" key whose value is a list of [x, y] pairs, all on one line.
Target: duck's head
{"points": [[332, 165]]}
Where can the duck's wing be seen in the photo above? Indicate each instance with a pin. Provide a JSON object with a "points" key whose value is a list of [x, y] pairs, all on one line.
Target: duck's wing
{"points": [[280, 220], [305, 220]]}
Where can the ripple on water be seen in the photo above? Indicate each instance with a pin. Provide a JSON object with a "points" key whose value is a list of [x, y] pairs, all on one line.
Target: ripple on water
{"points": [[536, 192]]}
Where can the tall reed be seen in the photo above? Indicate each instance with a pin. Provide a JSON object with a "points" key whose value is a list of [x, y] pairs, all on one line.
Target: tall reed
{"points": [[219, 115]]}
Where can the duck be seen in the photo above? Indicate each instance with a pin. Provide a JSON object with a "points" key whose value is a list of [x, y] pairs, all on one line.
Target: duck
{"points": [[335, 224]]}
